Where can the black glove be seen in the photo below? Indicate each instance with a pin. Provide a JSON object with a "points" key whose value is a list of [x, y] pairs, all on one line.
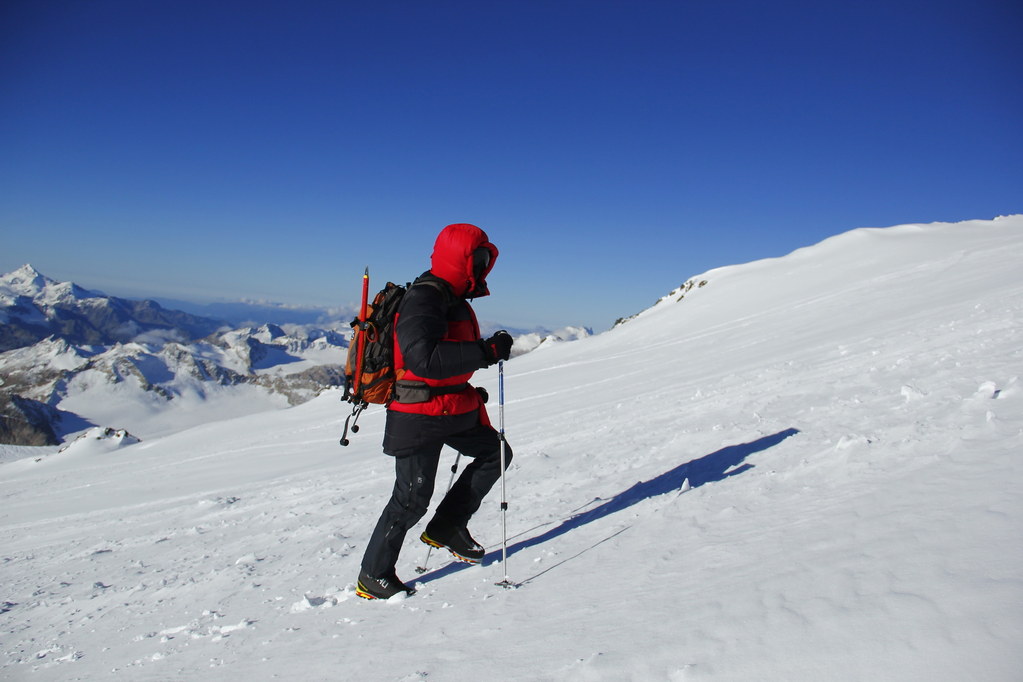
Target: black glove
{"points": [[497, 347], [484, 396]]}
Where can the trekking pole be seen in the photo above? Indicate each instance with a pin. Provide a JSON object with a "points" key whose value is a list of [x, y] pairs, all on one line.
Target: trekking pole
{"points": [[506, 583], [426, 562]]}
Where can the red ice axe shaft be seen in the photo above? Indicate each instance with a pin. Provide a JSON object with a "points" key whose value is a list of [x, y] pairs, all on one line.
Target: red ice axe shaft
{"points": [[362, 328]]}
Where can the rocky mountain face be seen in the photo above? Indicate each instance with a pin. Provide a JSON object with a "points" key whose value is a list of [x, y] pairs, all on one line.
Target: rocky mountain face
{"points": [[26, 422], [59, 340]]}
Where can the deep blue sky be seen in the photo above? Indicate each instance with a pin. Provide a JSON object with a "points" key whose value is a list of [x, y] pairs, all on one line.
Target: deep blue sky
{"points": [[229, 149]]}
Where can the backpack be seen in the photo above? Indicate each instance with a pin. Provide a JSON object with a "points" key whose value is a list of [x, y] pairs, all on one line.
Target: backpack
{"points": [[369, 369]]}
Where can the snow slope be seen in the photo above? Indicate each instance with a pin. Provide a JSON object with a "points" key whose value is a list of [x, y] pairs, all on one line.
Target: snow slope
{"points": [[808, 469]]}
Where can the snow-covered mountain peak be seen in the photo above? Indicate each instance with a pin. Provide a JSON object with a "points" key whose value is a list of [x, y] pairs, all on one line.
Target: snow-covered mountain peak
{"points": [[25, 281], [28, 282], [268, 333]]}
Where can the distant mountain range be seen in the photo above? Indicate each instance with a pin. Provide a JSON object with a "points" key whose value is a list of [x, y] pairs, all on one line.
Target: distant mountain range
{"points": [[59, 342], [34, 307], [71, 358]]}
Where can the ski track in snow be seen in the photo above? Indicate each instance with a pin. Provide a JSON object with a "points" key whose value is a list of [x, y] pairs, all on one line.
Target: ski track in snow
{"points": [[847, 422]]}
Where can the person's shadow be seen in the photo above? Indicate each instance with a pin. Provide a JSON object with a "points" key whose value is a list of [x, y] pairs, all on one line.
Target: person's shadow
{"points": [[717, 466]]}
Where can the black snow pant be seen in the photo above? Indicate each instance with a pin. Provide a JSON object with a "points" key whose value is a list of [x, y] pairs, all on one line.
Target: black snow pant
{"points": [[415, 475]]}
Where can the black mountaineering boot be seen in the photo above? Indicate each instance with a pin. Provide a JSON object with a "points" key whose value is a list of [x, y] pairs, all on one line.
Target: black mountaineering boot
{"points": [[455, 540], [384, 587]]}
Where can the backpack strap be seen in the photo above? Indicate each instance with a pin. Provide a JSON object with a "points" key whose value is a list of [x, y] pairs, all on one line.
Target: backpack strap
{"points": [[432, 280]]}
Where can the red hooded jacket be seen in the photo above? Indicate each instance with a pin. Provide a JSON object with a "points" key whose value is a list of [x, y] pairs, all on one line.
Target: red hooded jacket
{"points": [[437, 336]]}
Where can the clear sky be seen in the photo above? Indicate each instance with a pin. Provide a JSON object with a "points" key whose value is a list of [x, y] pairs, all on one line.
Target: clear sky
{"points": [[226, 149]]}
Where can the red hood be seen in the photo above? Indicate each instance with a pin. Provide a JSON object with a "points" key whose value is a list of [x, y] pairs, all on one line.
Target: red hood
{"points": [[452, 257]]}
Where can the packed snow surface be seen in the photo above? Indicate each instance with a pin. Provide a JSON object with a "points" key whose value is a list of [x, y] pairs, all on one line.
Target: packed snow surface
{"points": [[807, 469]]}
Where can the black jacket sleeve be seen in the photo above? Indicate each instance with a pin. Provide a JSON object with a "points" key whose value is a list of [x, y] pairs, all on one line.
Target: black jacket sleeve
{"points": [[423, 323]]}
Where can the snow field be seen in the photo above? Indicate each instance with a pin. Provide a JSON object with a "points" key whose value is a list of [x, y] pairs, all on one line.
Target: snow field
{"points": [[847, 421]]}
